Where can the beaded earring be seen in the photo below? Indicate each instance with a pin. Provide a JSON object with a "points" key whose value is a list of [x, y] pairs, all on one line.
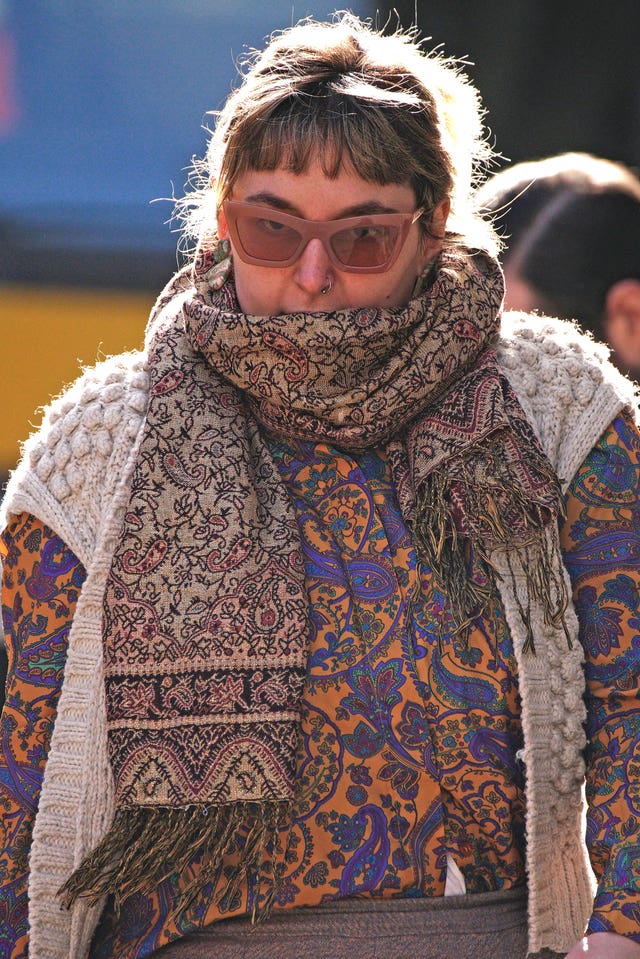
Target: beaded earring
{"points": [[218, 273], [212, 264], [423, 279]]}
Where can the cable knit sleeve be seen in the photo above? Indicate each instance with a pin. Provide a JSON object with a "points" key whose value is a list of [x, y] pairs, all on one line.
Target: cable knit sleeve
{"points": [[74, 477], [70, 466], [566, 385]]}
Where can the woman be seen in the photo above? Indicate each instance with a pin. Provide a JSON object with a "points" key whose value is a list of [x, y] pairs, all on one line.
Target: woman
{"points": [[572, 224], [288, 616]]}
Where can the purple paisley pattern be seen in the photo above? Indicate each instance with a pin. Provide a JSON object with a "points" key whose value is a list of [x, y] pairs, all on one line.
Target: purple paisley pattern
{"points": [[602, 553], [42, 581], [408, 746]]}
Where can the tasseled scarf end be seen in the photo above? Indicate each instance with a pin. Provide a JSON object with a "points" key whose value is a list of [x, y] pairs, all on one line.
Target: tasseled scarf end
{"points": [[146, 845], [445, 549]]}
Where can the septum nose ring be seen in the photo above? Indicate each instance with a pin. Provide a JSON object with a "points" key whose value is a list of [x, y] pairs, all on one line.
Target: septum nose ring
{"points": [[328, 286]]}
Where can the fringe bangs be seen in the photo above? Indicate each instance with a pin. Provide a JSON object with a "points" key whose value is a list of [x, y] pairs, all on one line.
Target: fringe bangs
{"points": [[362, 139]]}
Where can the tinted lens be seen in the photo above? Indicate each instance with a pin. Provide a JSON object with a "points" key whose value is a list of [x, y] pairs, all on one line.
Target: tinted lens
{"points": [[267, 239], [365, 246]]}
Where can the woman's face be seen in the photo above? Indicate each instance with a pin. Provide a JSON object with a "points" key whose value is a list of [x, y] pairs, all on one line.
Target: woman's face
{"points": [[268, 291]]}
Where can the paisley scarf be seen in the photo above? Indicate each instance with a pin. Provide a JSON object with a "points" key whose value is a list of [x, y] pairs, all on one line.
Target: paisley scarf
{"points": [[205, 611]]}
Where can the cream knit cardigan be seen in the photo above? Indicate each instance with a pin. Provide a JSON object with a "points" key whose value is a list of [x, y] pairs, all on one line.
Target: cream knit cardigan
{"points": [[75, 476]]}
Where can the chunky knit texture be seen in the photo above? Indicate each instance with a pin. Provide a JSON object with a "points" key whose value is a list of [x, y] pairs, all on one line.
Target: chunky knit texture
{"points": [[75, 476], [570, 393]]}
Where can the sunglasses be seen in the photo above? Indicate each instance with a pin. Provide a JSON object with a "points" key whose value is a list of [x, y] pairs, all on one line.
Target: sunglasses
{"points": [[357, 244]]}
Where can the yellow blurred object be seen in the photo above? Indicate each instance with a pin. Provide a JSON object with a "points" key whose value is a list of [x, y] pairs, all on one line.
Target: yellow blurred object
{"points": [[46, 335]]}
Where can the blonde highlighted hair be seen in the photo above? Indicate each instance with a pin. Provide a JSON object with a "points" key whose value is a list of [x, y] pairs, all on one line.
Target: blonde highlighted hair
{"points": [[341, 93]]}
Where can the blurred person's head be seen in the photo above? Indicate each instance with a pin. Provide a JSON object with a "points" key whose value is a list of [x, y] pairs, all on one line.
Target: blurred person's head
{"points": [[571, 231]]}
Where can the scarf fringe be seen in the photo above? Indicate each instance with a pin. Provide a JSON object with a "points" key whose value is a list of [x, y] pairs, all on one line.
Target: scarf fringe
{"points": [[147, 845], [446, 550]]}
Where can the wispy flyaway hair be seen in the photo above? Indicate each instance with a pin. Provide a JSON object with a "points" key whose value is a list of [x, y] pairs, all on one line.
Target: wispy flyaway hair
{"points": [[340, 94]]}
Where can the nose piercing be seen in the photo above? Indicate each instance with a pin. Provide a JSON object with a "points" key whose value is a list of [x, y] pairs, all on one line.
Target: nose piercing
{"points": [[328, 287]]}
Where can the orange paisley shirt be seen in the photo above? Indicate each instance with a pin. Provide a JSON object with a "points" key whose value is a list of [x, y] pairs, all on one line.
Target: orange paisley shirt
{"points": [[408, 745]]}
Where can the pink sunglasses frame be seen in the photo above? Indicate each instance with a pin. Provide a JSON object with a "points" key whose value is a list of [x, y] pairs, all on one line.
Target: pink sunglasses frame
{"points": [[322, 230]]}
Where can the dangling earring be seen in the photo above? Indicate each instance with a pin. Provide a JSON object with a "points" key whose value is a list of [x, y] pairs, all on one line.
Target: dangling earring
{"points": [[218, 264], [422, 280]]}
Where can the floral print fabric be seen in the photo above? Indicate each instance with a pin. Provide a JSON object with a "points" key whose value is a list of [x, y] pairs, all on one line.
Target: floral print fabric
{"points": [[42, 582], [602, 554], [409, 744]]}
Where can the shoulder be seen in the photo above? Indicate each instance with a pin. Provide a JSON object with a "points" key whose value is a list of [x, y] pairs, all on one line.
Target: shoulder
{"points": [[565, 382], [87, 418], [541, 345], [72, 462]]}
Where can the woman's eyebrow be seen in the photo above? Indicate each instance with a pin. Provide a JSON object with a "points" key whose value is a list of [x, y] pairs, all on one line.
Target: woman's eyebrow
{"points": [[367, 208], [273, 200]]}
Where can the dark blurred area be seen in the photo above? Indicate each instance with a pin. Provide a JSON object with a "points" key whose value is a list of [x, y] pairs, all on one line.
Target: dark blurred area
{"points": [[554, 76]]}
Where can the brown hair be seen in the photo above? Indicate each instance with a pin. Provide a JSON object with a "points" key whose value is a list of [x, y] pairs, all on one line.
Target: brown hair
{"points": [[342, 92], [571, 226]]}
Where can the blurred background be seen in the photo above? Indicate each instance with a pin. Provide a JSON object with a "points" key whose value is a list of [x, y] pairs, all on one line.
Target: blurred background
{"points": [[102, 106]]}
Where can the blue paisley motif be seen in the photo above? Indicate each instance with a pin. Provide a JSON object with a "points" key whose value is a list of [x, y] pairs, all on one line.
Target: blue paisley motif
{"points": [[375, 690], [368, 865], [600, 625], [622, 589], [494, 746], [363, 742], [370, 581], [609, 552], [429, 825], [462, 690], [56, 558]]}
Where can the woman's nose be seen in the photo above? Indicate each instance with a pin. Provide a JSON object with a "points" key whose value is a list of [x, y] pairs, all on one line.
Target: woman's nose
{"points": [[313, 267]]}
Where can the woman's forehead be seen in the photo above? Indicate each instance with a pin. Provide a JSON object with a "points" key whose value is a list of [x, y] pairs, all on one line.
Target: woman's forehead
{"points": [[317, 196]]}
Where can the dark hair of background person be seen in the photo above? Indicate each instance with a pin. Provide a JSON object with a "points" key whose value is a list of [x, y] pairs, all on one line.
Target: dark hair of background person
{"points": [[571, 231]]}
